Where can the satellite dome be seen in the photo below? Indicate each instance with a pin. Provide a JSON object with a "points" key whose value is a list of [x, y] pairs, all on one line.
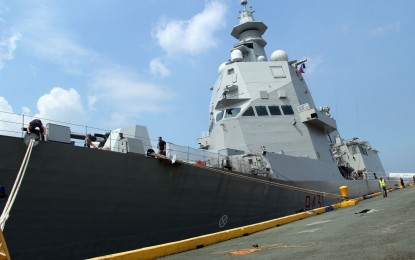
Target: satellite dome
{"points": [[236, 55], [221, 67], [261, 58], [279, 56]]}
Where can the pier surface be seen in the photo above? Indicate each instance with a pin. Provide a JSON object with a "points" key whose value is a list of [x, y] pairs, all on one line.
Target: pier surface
{"points": [[376, 228]]}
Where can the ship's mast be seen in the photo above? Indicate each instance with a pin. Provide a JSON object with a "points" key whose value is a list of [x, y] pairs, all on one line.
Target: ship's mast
{"points": [[249, 33], [246, 14]]}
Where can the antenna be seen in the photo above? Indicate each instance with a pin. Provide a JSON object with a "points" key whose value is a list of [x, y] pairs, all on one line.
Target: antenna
{"points": [[244, 3]]}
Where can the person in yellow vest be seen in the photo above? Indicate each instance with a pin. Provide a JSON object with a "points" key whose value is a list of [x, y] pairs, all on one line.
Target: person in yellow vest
{"points": [[382, 184]]}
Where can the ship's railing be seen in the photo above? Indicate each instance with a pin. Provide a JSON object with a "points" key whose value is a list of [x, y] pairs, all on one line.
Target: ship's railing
{"points": [[375, 175], [205, 158], [12, 124], [364, 175]]}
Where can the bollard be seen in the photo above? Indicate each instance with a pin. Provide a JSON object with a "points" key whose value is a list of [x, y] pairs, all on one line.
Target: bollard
{"points": [[344, 190]]}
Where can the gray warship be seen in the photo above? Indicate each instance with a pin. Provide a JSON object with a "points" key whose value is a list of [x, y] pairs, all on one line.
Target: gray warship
{"points": [[269, 152]]}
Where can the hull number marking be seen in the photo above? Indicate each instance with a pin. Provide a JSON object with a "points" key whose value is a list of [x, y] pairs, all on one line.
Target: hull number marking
{"points": [[314, 201]]}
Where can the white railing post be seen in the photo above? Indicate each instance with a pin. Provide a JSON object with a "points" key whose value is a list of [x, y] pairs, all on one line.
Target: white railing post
{"points": [[21, 129]]}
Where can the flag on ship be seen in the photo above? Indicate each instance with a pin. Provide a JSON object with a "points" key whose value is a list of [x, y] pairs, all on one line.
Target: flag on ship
{"points": [[302, 69]]}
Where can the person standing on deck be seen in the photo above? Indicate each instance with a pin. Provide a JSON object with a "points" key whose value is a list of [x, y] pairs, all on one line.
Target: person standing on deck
{"points": [[161, 146], [382, 184]]}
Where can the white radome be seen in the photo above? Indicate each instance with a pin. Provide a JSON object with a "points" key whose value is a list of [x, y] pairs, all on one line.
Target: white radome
{"points": [[261, 58], [236, 55], [279, 55], [221, 67]]}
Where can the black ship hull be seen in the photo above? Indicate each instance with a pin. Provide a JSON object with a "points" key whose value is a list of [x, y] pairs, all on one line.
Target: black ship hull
{"points": [[78, 203]]}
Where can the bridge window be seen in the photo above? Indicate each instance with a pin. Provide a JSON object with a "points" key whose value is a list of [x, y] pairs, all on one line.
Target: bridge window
{"points": [[219, 116], [287, 109], [249, 112], [232, 112], [261, 110], [274, 110]]}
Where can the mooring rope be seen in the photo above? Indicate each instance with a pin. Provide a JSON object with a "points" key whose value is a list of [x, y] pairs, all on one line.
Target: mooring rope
{"points": [[271, 183], [5, 215]]}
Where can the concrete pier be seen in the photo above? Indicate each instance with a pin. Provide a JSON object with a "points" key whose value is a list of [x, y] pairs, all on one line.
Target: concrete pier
{"points": [[376, 228]]}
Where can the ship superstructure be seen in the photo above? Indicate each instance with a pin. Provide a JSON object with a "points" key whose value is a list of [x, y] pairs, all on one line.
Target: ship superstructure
{"points": [[264, 106], [259, 103]]}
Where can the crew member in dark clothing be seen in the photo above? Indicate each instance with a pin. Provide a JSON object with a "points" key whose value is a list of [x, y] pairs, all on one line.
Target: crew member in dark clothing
{"points": [[36, 126], [88, 141], [161, 146], [402, 183]]}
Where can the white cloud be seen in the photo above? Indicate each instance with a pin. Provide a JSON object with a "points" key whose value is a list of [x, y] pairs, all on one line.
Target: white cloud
{"points": [[4, 105], [384, 30], [121, 91], [10, 122], [157, 68], [7, 47], [61, 105], [26, 111], [192, 36]]}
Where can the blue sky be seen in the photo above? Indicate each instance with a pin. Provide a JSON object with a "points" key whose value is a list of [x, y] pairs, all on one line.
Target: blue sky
{"points": [[114, 63]]}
